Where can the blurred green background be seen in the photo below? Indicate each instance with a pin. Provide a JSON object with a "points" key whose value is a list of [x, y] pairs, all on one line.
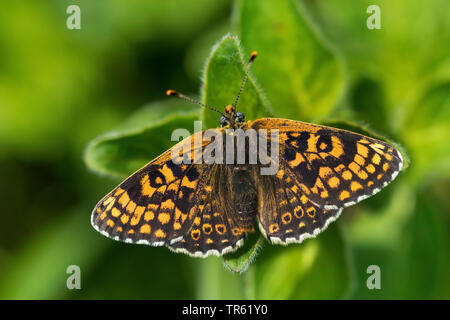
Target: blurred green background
{"points": [[81, 109]]}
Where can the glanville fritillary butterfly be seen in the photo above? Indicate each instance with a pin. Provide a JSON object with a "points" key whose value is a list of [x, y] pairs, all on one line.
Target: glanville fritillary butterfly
{"points": [[202, 209]]}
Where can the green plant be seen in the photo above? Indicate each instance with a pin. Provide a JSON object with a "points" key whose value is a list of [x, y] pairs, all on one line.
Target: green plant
{"points": [[292, 79]]}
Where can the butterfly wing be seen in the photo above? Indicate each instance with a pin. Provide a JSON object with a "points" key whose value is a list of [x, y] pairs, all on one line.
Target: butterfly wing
{"points": [[214, 230], [163, 202], [286, 215], [334, 168]]}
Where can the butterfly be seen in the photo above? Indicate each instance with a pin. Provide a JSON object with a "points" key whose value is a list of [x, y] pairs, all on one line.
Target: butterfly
{"points": [[204, 209]]}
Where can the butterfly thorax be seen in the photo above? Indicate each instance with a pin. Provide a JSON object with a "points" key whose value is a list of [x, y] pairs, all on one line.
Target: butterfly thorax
{"points": [[233, 119]]}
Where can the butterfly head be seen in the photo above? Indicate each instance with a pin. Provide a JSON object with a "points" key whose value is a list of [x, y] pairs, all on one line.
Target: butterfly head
{"points": [[231, 118]]}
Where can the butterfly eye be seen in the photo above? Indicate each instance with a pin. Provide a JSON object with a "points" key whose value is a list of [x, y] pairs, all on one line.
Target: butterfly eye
{"points": [[223, 121], [239, 117]]}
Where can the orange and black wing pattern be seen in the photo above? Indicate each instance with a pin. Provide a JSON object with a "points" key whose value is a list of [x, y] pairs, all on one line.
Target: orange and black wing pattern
{"points": [[165, 203], [286, 215], [215, 229], [326, 167]]}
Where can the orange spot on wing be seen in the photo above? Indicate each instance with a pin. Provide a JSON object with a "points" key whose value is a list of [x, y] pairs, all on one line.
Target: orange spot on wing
{"points": [[195, 234], [167, 173], [220, 228], [354, 167], [347, 175], [137, 216], [115, 212], [344, 195], [298, 159], [355, 186], [273, 228], [145, 229], [123, 200], [124, 219], [324, 172], [333, 182], [363, 175], [359, 160], [164, 218], [147, 189], [207, 229], [362, 150], [337, 150], [376, 159], [370, 168], [378, 148], [160, 234], [297, 210], [311, 211], [119, 191], [303, 199], [149, 215], [189, 184], [131, 206], [286, 217], [167, 205]]}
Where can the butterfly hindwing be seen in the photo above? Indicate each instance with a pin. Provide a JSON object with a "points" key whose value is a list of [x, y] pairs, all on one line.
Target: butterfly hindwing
{"points": [[286, 215], [334, 168], [211, 232], [218, 228]]}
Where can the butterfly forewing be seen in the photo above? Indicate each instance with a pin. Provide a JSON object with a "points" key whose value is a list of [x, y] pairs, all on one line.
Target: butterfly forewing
{"points": [[177, 205], [156, 204], [334, 168]]}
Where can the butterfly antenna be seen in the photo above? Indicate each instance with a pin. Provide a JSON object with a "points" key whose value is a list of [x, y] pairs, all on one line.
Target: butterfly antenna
{"points": [[250, 61], [176, 94]]}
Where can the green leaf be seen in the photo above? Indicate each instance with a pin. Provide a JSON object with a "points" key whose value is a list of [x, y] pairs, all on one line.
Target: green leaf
{"points": [[38, 270], [144, 136], [428, 133], [216, 282], [298, 71], [316, 269], [241, 259], [221, 82], [391, 55], [368, 101]]}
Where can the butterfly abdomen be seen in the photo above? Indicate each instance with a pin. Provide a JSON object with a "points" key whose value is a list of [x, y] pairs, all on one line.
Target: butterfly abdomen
{"points": [[245, 198]]}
